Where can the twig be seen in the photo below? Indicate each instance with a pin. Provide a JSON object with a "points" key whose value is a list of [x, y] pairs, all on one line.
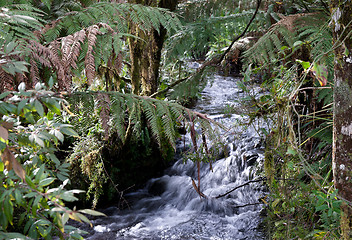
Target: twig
{"points": [[214, 61], [244, 31], [313, 88], [248, 204], [251, 181], [168, 87], [197, 189], [115, 186]]}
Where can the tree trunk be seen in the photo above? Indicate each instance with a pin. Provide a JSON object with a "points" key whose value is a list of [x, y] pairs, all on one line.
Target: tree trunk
{"points": [[342, 131], [146, 55]]}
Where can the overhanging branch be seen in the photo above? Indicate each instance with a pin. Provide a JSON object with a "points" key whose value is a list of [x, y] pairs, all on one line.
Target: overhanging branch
{"points": [[244, 31], [213, 61]]}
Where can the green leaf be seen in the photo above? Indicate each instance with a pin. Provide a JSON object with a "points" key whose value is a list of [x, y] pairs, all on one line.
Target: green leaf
{"points": [[14, 235], [92, 212], [298, 43], [20, 67], [51, 82], [66, 196], [18, 197], [321, 207], [39, 173], [65, 218], [53, 105], [2, 145], [22, 87], [346, 52], [29, 181], [38, 140], [9, 69], [59, 135], [69, 131], [304, 64], [29, 117], [8, 210], [1, 166], [38, 86], [21, 105], [30, 195], [54, 159], [84, 218], [9, 47], [291, 151], [36, 201], [46, 181], [4, 94], [39, 107], [61, 177]]}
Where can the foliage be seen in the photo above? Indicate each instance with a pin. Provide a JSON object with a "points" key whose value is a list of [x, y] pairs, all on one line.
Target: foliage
{"points": [[66, 45], [287, 37], [295, 63], [197, 36], [125, 119], [33, 193]]}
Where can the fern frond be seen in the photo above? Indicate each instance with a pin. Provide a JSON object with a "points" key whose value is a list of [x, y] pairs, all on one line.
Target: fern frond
{"points": [[129, 114], [118, 110], [149, 110], [20, 20], [167, 123], [89, 60], [104, 104], [119, 15]]}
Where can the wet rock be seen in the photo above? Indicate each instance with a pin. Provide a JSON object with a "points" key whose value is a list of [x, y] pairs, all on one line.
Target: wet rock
{"points": [[103, 236], [111, 211], [158, 187], [250, 158]]}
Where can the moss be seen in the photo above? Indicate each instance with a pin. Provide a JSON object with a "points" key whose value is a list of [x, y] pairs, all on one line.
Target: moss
{"points": [[345, 222]]}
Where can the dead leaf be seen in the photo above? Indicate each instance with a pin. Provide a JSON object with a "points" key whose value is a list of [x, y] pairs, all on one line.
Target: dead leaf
{"points": [[6, 159], [7, 125], [321, 73], [4, 134], [11, 163]]}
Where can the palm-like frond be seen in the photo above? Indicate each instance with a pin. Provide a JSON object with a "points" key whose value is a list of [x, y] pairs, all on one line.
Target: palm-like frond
{"points": [[128, 113], [285, 33]]}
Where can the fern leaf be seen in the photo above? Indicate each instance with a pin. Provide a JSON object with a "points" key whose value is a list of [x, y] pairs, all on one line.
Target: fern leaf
{"points": [[149, 110]]}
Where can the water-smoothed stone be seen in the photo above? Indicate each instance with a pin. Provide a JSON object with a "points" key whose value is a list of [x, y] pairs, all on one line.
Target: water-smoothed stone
{"points": [[157, 187]]}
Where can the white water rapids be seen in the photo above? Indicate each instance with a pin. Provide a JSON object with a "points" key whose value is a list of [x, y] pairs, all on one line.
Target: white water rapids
{"points": [[170, 208]]}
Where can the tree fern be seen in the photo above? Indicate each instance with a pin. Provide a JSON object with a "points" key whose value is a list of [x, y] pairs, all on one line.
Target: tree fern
{"points": [[150, 112], [19, 21], [196, 37], [127, 111], [283, 34], [118, 112]]}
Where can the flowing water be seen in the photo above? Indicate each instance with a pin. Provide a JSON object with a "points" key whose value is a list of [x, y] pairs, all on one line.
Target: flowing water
{"points": [[170, 208]]}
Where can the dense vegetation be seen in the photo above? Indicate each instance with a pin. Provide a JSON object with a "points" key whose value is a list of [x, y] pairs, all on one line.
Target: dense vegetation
{"points": [[90, 69]]}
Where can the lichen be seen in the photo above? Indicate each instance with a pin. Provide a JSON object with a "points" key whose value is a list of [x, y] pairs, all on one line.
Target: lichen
{"points": [[347, 130], [335, 19]]}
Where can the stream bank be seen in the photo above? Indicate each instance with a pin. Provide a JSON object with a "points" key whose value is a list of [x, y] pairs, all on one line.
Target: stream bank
{"points": [[170, 208]]}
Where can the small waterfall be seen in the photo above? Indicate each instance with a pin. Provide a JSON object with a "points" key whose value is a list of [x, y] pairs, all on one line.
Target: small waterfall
{"points": [[170, 208]]}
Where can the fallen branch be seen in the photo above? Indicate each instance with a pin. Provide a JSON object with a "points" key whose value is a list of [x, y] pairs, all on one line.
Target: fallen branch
{"points": [[197, 189], [244, 31], [200, 70], [248, 204], [212, 62], [247, 183]]}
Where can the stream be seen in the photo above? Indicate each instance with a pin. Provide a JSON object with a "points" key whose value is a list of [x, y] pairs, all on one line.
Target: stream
{"points": [[170, 208]]}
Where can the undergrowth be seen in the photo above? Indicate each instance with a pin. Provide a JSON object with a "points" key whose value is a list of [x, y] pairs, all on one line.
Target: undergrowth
{"points": [[302, 203]]}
